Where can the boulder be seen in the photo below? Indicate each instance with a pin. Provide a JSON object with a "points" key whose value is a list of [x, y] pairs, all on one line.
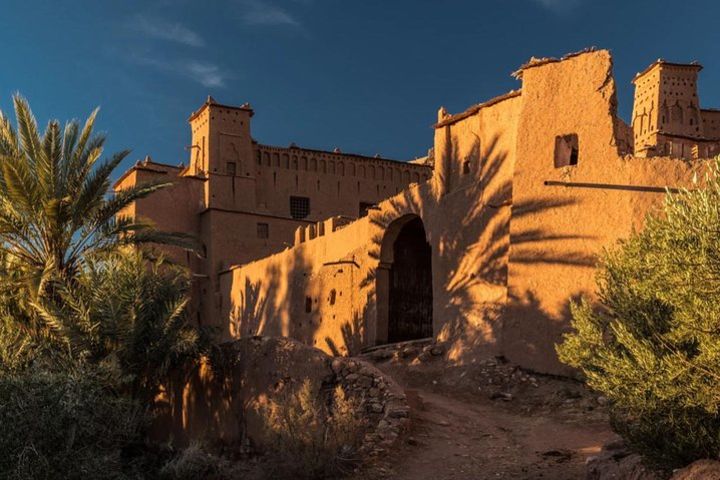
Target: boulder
{"points": [[700, 470], [616, 462]]}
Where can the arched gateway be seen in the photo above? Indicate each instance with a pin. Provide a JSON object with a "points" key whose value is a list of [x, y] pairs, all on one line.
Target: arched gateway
{"points": [[404, 283]]}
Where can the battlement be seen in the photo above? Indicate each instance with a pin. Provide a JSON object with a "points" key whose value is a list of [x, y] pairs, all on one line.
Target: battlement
{"points": [[341, 164], [319, 229]]}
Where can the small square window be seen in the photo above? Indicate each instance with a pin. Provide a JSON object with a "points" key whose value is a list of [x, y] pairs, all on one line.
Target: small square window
{"points": [[263, 230], [231, 168], [566, 150], [299, 207]]}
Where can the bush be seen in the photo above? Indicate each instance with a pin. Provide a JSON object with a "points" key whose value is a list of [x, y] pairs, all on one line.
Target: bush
{"points": [[125, 310], [652, 346], [312, 438], [196, 462], [63, 426]]}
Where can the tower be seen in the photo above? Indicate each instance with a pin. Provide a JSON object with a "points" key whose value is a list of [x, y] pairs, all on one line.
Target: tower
{"points": [[221, 151], [666, 103]]}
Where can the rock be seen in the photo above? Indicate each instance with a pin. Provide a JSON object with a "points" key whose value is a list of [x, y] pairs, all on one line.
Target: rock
{"points": [[408, 351], [601, 400], [423, 357], [337, 365], [381, 355], [398, 413], [364, 382], [437, 350], [375, 407], [352, 377], [560, 455], [700, 470], [616, 462], [501, 396]]}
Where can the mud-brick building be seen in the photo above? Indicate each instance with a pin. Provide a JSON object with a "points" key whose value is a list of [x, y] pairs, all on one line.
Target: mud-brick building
{"points": [[244, 200], [485, 251]]}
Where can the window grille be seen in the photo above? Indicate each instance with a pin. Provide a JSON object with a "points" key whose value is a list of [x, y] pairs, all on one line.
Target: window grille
{"points": [[299, 207]]}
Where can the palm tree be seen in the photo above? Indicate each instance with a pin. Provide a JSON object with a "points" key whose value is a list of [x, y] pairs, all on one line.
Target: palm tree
{"points": [[57, 209], [56, 206]]}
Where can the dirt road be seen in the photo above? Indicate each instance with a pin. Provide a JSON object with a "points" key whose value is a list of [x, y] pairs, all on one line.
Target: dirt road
{"points": [[492, 421]]}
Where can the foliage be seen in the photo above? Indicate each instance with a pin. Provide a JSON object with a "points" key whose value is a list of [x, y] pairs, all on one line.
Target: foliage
{"points": [[196, 462], [89, 324], [56, 211], [310, 439], [653, 346], [129, 310], [63, 425], [124, 311]]}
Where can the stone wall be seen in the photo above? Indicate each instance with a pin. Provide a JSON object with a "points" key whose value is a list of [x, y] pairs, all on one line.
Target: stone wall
{"points": [[220, 399]]}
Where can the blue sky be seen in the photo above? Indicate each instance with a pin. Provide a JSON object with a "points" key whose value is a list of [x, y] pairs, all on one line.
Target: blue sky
{"points": [[366, 76]]}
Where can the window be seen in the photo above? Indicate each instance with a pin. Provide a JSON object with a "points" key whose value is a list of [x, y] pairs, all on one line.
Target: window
{"points": [[263, 230], [299, 207], [308, 304], [566, 150], [333, 295], [230, 168], [466, 167], [364, 207]]}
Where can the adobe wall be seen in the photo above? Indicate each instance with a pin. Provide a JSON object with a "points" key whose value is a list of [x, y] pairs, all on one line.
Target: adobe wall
{"points": [[513, 237], [290, 294], [335, 183], [526, 190], [465, 213], [235, 196], [556, 231], [171, 209]]}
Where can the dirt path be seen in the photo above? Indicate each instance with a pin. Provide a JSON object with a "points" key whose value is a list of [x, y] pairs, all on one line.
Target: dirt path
{"points": [[460, 432], [457, 440]]}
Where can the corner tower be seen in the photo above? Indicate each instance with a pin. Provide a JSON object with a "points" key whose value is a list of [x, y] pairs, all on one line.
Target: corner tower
{"points": [[221, 151], [667, 104]]}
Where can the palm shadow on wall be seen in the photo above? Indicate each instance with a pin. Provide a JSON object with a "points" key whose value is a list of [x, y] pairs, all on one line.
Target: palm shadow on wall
{"points": [[470, 251], [286, 302], [469, 264]]}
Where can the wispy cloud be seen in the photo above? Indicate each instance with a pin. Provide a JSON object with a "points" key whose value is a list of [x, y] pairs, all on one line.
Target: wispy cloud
{"points": [[207, 74], [261, 12], [204, 73], [163, 30], [558, 6]]}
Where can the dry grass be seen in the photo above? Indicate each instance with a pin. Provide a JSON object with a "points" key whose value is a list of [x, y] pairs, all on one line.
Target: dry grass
{"points": [[311, 435]]}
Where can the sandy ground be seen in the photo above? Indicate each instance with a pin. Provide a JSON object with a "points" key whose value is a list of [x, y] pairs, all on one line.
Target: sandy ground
{"points": [[489, 420]]}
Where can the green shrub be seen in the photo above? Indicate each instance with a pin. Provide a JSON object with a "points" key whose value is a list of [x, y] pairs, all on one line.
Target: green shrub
{"points": [[63, 426], [652, 345], [311, 437]]}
